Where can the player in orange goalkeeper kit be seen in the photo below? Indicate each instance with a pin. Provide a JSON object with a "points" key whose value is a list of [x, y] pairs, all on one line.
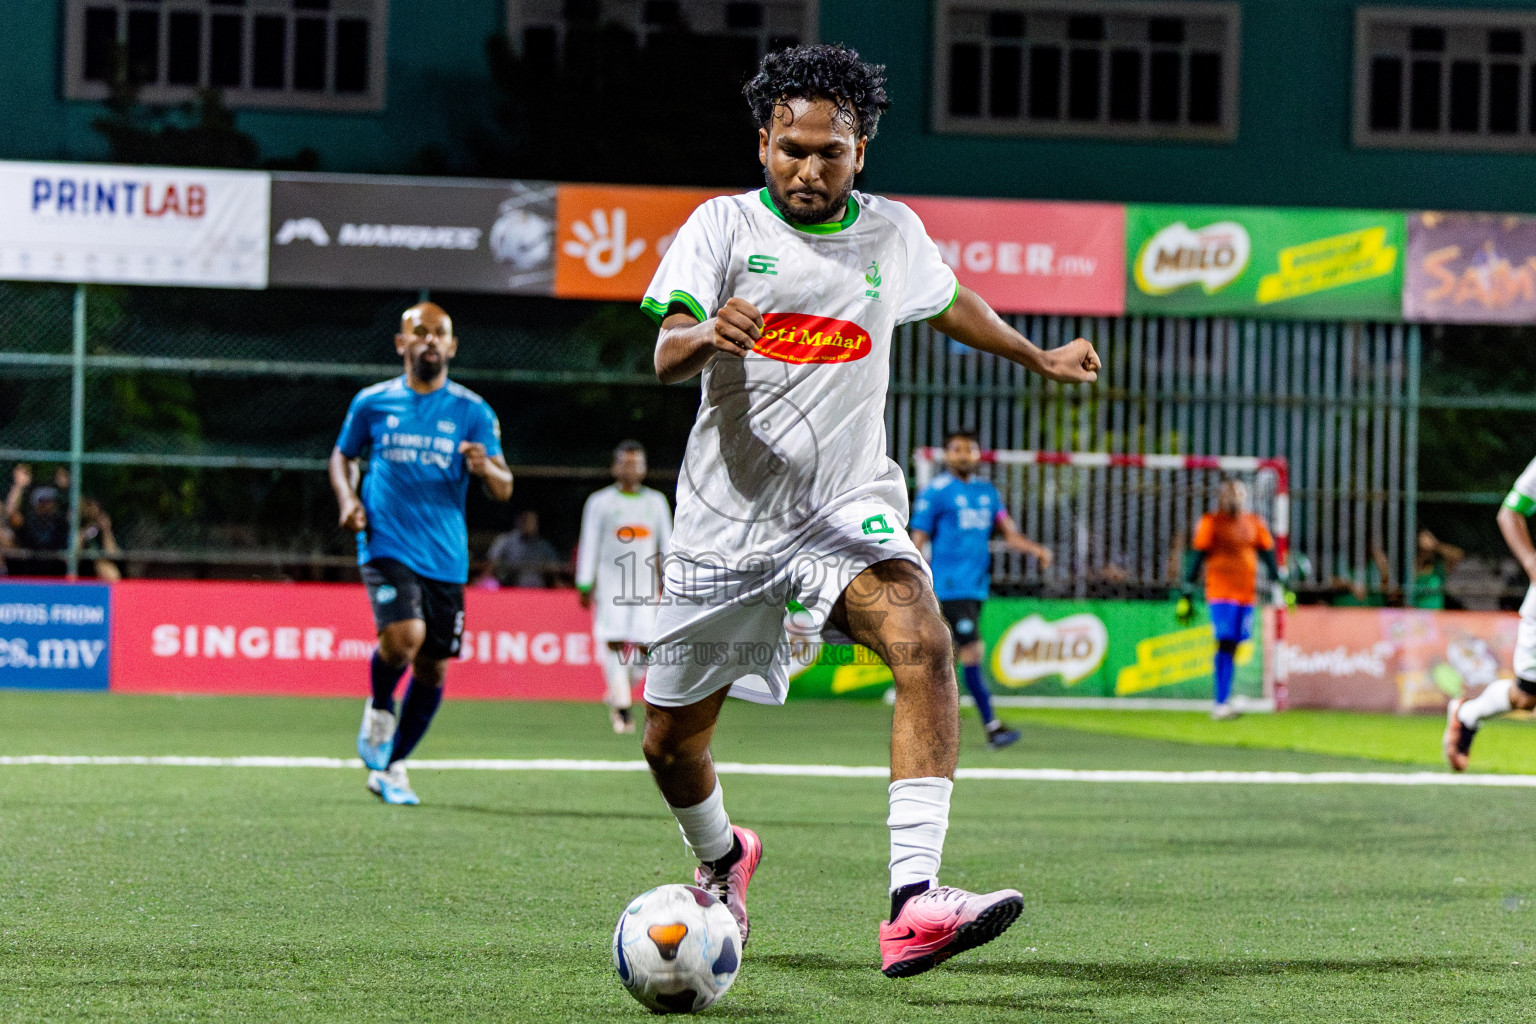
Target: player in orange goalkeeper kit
{"points": [[1230, 542]]}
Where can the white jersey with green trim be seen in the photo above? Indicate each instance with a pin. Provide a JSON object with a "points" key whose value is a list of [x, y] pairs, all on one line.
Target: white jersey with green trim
{"points": [[623, 537], [796, 428], [1522, 496]]}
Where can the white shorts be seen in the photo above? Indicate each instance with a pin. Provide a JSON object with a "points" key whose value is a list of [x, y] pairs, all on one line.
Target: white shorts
{"points": [[1525, 638], [623, 623], [721, 627]]}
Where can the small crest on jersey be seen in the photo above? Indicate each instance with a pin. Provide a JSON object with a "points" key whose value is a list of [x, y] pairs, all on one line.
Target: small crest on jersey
{"points": [[797, 338], [872, 279], [392, 421], [446, 426], [878, 524]]}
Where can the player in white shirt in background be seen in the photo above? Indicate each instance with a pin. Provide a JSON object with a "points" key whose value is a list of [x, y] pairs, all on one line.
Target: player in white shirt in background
{"points": [[1501, 696], [785, 300], [625, 530]]}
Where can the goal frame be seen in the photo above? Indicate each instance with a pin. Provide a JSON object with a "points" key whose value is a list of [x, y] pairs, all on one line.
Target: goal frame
{"points": [[924, 459]]}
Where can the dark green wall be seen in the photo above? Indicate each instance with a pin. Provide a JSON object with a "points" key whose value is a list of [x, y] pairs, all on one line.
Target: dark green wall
{"points": [[437, 92], [1293, 146]]}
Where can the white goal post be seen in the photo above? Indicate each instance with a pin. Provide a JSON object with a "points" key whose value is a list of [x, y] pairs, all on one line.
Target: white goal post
{"points": [[1113, 519]]}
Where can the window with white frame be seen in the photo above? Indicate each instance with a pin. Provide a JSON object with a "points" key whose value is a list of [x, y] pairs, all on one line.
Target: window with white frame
{"points": [[1427, 78], [1087, 68], [320, 54], [540, 29]]}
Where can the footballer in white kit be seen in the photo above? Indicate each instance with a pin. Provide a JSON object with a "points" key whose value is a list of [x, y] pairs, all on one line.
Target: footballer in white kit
{"points": [[1501, 696], [625, 529], [784, 299]]}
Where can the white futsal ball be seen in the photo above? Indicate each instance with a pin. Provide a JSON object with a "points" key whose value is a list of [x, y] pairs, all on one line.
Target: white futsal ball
{"points": [[676, 949]]}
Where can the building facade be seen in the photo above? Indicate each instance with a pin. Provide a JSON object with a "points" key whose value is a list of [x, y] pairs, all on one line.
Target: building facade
{"points": [[1262, 102]]}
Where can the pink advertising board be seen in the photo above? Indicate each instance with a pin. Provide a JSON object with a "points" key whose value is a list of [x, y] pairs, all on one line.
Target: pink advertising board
{"points": [[1032, 257]]}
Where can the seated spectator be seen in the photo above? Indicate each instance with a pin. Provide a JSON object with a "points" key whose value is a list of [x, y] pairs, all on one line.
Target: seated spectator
{"points": [[521, 558], [97, 541]]}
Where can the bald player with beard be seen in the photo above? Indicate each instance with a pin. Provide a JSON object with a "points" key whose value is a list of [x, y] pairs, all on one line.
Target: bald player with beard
{"points": [[425, 436]]}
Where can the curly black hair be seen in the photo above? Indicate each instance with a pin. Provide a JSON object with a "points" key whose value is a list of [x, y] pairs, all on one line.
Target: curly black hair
{"points": [[820, 72]]}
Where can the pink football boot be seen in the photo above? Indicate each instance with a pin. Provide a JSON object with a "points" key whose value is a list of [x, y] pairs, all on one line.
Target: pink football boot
{"points": [[730, 885], [935, 925]]}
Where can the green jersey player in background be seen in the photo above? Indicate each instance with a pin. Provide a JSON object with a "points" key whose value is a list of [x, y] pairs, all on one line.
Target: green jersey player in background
{"points": [[1501, 696], [784, 300]]}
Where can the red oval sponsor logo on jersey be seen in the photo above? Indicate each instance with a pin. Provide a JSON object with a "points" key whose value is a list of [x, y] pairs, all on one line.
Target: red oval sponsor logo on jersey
{"points": [[797, 338]]}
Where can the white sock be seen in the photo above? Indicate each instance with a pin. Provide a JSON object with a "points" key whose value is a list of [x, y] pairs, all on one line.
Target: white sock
{"points": [[919, 818], [1494, 700], [616, 675], [705, 826]]}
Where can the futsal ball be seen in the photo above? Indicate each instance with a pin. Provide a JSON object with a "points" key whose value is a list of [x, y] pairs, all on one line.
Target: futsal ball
{"points": [[676, 949]]}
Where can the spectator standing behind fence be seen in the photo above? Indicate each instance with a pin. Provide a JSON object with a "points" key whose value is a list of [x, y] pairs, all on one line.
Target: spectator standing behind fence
{"points": [[1229, 542], [39, 523], [522, 558]]}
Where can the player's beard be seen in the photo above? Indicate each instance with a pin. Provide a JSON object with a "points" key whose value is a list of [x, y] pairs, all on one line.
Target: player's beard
{"points": [[820, 214], [426, 370]]}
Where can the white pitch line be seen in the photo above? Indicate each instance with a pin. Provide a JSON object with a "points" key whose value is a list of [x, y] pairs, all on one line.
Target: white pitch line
{"points": [[834, 771]]}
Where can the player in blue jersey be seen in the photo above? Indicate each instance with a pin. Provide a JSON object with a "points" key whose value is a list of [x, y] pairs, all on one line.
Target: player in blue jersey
{"points": [[424, 436], [958, 514]]}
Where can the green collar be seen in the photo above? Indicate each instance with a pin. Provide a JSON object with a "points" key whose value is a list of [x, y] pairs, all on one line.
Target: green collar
{"points": [[849, 217]]}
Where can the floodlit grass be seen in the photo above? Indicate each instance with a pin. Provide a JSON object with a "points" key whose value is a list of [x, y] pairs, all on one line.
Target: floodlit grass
{"points": [[1503, 745], [150, 893]]}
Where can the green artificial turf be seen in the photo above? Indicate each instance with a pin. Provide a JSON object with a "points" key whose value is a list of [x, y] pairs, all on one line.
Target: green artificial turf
{"points": [[1502, 745], [279, 894]]}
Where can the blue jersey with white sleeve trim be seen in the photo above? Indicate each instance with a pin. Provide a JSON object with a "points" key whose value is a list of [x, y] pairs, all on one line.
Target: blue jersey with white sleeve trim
{"points": [[416, 484]]}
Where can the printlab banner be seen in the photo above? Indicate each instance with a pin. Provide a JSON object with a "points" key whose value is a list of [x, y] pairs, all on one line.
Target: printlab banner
{"points": [[1050, 648], [1389, 659], [315, 639], [345, 231], [1477, 268], [1213, 260], [1026, 257], [54, 636], [133, 225]]}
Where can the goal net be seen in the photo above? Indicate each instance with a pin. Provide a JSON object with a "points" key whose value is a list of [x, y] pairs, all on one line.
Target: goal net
{"points": [[1116, 525]]}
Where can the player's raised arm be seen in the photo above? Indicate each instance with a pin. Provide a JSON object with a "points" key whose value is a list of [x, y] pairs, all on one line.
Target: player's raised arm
{"points": [[684, 346], [970, 321]]}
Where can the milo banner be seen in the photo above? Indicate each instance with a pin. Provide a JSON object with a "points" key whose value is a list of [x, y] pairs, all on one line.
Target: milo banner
{"points": [[1253, 261], [1050, 648]]}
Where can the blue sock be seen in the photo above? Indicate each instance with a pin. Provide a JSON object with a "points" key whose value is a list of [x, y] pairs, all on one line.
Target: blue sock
{"points": [[983, 699], [385, 677], [1225, 666], [416, 713]]}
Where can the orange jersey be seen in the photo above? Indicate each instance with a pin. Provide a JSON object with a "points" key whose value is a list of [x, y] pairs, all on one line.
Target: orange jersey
{"points": [[1231, 545]]}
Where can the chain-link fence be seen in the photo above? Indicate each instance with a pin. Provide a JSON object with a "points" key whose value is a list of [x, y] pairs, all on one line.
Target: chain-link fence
{"points": [[204, 417]]}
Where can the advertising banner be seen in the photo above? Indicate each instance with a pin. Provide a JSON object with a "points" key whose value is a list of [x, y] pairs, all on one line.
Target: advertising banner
{"points": [[315, 639], [54, 636], [1389, 659], [133, 225], [611, 237], [346, 231], [1054, 648], [1477, 268], [1208, 260], [1027, 257]]}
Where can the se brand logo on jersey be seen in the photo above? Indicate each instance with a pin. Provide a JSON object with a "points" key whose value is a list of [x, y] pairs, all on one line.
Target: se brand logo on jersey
{"points": [[762, 265], [797, 338]]}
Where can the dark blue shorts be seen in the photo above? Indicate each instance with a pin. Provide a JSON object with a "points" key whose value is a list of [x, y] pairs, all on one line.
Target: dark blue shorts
{"points": [[1231, 622]]}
